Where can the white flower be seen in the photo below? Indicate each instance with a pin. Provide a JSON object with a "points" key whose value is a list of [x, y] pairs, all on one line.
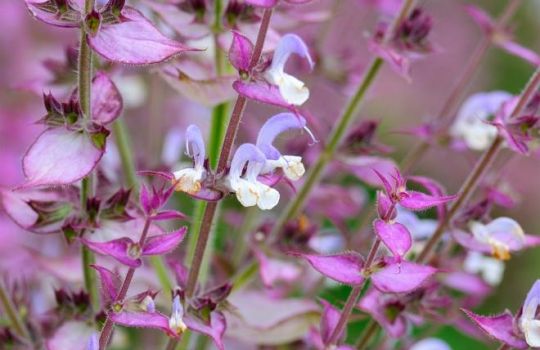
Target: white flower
{"points": [[490, 269], [471, 122], [249, 191], [292, 166], [528, 323], [189, 179], [502, 235], [291, 89], [176, 321]]}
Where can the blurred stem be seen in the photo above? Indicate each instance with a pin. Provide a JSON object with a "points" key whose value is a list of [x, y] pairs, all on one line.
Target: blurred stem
{"points": [[162, 272], [185, 342], [126, 156], [369, 331], [240, 244], [503, 347], [84, 80], [245, 275], [327, 154], [19, 327], [109, 325], [342, 125], [226, 150], [460, 86]]}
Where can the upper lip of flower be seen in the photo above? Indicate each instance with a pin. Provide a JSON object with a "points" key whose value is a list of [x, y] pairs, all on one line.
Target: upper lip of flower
{"points": [[291, 89], [189, 179]]}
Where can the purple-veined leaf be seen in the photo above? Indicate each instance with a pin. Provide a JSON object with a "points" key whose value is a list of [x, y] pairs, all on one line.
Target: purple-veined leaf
{"points": [[59, 157], [117, 249], [421, 201], [135, 41], [215, 329], [500, 327], [240, 52], [163, 244], [262, 92], [155, 320], [110, 282], [345, 267], [401, 276], [329, 321], [47, 12], [395, 237], [106, 99]]}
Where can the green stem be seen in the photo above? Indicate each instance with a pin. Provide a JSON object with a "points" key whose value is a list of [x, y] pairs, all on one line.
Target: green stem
{"points": [[162, 272], [84, 90], [19, 327], [327, 154], [126, 157]]}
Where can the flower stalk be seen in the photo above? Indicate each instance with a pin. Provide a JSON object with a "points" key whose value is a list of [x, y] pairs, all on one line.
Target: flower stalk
{"points": [[226, 150]]}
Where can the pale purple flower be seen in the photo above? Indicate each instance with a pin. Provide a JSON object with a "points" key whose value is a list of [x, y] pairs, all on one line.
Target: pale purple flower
{"points": [[499, 237], [292, 90], [189, 180], [528, 322], [291, 165], [430, 344], [490, 269], [472, 121], [274, 85], [248, 189]]}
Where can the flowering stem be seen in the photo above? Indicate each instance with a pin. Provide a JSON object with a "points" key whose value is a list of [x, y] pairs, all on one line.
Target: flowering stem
{"points": [[460, 86], [470, 183], [339, 130], [352, 298], [482, 165], [84, 79], [11, 312], [108, 327], [226, 150]]}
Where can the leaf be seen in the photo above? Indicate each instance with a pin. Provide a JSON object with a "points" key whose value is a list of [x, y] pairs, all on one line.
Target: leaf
{"points": [[345, 267], [59, 157], [395, 237], [163, 244], [134, 41], [106, 99], [401, 277]]}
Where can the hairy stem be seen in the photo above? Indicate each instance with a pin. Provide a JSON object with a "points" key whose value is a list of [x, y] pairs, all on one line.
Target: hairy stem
{"points": [[108, 327], [18, 325], [226, 150], [84, 88]]}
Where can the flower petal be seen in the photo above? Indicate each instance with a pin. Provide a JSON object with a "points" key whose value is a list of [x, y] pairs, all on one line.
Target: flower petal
{"points": [[274, 126], [60, 157], [134, 41], [345, 268], [500, 327], [106, 99], [117, 249], [164, 244], [395, 237], [401, 277], [262, 3]]}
